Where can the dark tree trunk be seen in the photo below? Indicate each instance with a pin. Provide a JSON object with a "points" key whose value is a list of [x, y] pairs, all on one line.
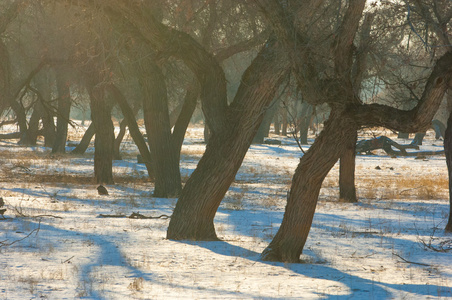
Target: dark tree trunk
{"points": [[86, 139], [118, 140], [403, 135], [31, 136], [195, 210], [64, 110], [448, 152], [418, 139], [304, 122], [48, 123], [277, 123], [134, 130], [284, 122], [165, 161], [347, 189], [289, 241], [264, 129], [104, 139]]}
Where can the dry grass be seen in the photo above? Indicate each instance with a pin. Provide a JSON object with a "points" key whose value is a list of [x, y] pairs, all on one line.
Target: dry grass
{"points": [[425, 188]]}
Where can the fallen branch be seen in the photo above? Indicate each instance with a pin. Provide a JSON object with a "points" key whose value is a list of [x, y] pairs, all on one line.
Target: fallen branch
{"points": [[5, 244], [386, 144], [410, 262], [134, 215]]}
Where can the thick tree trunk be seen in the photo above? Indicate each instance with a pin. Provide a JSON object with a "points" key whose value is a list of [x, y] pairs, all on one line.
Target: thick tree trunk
{"points": [[165, 161], [86, 139], [193, 216], [290, 239], [347, 189], [104, 139], [448, 152], [64, 110]]}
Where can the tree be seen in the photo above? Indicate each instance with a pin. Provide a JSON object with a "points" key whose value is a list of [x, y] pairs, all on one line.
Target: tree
{"points": [[348, 114]]}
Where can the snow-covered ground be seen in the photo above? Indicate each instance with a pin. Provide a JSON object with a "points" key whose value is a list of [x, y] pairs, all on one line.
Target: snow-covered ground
{"points": [[61, 248]]}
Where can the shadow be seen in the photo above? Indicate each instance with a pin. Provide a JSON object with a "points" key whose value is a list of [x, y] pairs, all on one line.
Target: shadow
{"points": [[359, 288]]}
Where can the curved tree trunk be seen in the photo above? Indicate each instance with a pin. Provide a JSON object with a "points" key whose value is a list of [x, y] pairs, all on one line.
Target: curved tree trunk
{"points": [[347, 189], [289, 241], [448, 152], [86, 139], [195, 210]]}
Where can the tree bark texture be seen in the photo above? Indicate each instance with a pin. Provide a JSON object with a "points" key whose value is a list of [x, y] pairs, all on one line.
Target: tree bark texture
{"points": [[195, 210], [156, 119], [118, 140], [104, 130], [448, 152], [288, 243], [347, 189]]}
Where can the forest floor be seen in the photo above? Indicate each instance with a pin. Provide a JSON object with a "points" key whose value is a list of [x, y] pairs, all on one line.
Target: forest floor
{"points": [[54, 244]]}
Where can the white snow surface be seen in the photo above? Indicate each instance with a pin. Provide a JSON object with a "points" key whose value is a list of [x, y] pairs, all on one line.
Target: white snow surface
{"points": [[54, 245]]}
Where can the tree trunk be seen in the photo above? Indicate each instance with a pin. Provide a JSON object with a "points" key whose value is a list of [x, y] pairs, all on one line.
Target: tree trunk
{"points": [[347, 190], [31, 136], [86, 139], [264, 129], [304, 122], [134, 130], [284, 122], [104, 139], [183, 120], [165, 161], [64, 110], [289, 241], [448, 152], [118, 140], [195, 210]]}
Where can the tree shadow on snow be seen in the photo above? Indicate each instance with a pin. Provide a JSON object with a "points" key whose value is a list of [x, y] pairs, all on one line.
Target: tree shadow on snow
{"points": [[359, 288]]}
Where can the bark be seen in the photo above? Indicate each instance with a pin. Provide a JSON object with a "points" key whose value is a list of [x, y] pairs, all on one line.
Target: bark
{"points": [[448, 152], [86, 139], [63, 111], [347, 189], [165, 161], [288, 243], [104, 130], [195, 210]]}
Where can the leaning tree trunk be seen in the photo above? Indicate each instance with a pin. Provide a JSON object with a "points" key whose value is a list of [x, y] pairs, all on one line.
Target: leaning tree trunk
{"points": [[164, 159], [448, 151], [134, 130], [64, 110], [86, 139], [347, 189], [288, 243], [118, 140], [195, 210], [105, 136]]}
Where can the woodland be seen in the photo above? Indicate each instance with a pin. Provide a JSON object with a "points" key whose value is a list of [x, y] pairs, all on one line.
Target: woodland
{"points": [[236, 67]]}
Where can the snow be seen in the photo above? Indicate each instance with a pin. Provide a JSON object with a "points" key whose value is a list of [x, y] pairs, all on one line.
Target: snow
{"points": [[370, 250]]}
